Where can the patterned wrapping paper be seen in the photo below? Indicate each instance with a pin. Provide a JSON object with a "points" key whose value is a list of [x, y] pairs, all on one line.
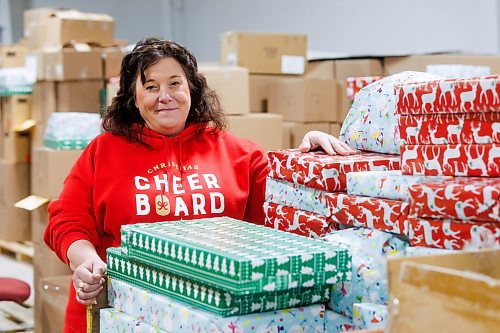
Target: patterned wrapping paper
{"points": [[322, 171], [373, 213], [451, 160], [369, 316], [480, 94], [112, 321], [413, 251], [175, 317], [236, 256], [71, 130], [297, 196], [372, 123], [458, 70], [356, 83], [462, 198], [369, 275], [384, 184], [337, 323], [453, 234], [450, 128], [297, 221], [217, 301]]}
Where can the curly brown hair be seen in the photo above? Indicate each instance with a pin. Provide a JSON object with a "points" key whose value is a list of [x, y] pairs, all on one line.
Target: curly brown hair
{"points": [[122, 116]]}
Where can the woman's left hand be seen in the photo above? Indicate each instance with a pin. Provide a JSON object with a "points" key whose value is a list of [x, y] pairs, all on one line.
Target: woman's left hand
{"points": [[330, 144]]}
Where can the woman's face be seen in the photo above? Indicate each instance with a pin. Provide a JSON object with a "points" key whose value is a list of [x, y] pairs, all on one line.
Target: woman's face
{"points": [[164, 99]]}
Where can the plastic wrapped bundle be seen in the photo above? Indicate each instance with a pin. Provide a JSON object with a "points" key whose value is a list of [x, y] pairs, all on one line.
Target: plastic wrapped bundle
{"points": [[71, 130], [453, 71]]}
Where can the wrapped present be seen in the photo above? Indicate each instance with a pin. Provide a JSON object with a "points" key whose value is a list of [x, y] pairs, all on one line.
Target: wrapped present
{"points": [[297, 221], [297, 196], [458, 70], [206, 297], [322, 171], [112, 321], [172, 316], [451, 160], [374, 213], [462, 198], [442, 129], [71, 130], [371, 123], [337, 323], [369, 278], [453, 234], [480, 94], [356, 83], [368, 316], [237, 256], [384, 184]]}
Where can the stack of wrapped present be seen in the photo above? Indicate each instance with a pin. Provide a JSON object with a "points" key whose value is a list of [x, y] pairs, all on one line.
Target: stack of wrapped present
{"points": [[214, 274], [452, 127]]}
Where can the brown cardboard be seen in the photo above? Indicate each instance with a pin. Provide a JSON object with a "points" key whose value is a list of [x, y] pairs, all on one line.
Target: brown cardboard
{"points": [[393, 65], [12, 55], [334, 129], [343, 102], [49, 170], [57, 27], [112, 88], [231, 85], [39, 219], [112, 61], [52, 295], [265, 53], [14, 185], [304, 100], [341, 69], [262, 128], [14, 112], [287, 134], [298, 130], [259, 90], [46, 262], [456, 292], [70, 64], [70, 96]]}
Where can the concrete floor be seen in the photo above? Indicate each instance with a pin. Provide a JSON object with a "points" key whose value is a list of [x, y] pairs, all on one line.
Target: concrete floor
{"points": [[17, 269]]}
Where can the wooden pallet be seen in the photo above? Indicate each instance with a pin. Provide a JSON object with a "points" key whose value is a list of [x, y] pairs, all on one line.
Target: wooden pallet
{"points": [[15, 317], [18, 251]]}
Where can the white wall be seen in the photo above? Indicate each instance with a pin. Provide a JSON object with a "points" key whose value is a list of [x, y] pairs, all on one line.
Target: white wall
{"points": [[5, 22]]}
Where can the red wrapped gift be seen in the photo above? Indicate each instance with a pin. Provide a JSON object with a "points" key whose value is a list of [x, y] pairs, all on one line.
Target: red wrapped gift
{"points": [[450, 128], [462, 198], [449, 96], [356, 83], [453, 234], [322, 171], [297, 221], [451, 160], [374, 213]]}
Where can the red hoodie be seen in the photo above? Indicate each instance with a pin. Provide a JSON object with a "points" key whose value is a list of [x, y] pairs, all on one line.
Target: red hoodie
{"points": [[116, 182]]}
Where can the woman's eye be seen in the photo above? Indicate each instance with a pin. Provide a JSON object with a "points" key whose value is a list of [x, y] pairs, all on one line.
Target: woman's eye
{"points": [[150, 87], [175, 83]]}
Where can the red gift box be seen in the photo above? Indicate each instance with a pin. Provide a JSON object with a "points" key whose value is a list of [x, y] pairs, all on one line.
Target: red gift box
{"points": [[449, 96], [451, 160], [322, 171], [355, 84], [463, 198], [374, 213], [453, 234], [450, 128], [297, 221]]}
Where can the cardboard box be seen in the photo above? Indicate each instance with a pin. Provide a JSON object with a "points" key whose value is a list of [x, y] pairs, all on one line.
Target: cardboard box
{"points": [[69, 96], [46, 262], [265, 53], [393, 65], [259, 90], [455, 292], [49, 170], [112, 88], [343, 102], [231, 85], [58, 27], [334, 129], [14, 185], [298, 130], [15, 113], [69, 64], [51, 297], [111, 62], [39, 219], [341, 69], [263, 128], [12, 56], [304, 100]]}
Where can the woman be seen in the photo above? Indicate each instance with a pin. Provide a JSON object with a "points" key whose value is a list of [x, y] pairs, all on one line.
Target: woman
{"points": [[158, 160]]}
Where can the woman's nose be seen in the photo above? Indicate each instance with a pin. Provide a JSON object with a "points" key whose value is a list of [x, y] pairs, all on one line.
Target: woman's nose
{"points": [[164, 97]]}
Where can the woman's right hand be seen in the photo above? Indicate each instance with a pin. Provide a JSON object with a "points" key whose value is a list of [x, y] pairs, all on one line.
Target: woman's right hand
{"points": [[88, 280]]}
